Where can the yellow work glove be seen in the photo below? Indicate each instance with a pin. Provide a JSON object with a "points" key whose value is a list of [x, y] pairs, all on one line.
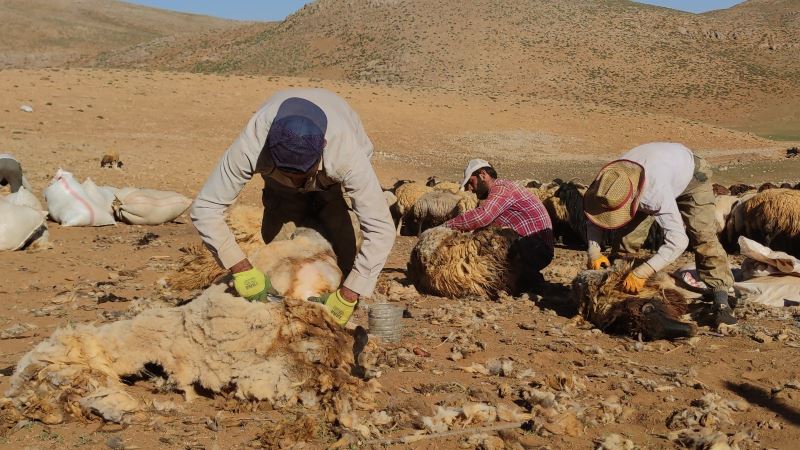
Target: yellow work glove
{"points": [[634, 282], [252, 284], [339, 307], [600, 262]]}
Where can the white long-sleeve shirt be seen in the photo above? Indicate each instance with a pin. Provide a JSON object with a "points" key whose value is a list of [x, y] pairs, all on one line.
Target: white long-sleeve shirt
{"points": [[668, 169], [345, 160]]}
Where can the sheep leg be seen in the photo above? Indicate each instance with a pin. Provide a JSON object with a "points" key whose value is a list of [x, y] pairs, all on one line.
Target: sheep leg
{"points": [[399, 224]]}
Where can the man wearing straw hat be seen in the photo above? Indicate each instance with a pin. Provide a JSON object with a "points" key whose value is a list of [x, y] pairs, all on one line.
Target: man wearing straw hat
{"points": [[508, 205], [669, 183]]}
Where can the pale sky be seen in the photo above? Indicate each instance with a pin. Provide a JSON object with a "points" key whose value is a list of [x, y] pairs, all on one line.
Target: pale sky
{"points": [[263, 10]]}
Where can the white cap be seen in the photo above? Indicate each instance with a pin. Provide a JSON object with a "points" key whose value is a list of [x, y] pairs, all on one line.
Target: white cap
{"points": [[472, 166]]}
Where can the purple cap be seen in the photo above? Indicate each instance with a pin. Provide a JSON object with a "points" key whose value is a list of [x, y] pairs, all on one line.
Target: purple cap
{"points": [[297, 135]]}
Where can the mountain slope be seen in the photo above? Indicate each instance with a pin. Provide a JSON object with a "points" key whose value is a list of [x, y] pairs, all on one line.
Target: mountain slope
{"points": [[38, 33]]}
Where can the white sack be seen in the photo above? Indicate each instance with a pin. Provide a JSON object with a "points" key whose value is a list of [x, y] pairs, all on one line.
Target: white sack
{"points": [[773, 290], [19, 225], [101, 196], [777, 262], [767, 277], [70, 206], [24, 197], [149, 206]]}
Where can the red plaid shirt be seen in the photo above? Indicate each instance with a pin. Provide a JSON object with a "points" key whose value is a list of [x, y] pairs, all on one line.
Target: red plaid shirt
{"points": [[509, 206]]}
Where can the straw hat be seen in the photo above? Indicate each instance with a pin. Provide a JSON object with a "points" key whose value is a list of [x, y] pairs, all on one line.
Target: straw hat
{"points": [[613, 198]]}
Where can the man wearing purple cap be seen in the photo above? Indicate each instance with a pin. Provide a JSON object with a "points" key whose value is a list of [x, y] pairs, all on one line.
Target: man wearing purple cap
{"points": [[311, 150]]}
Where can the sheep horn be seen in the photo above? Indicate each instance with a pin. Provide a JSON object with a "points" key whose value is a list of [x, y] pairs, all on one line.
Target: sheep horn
{"points": [[659, 325]]}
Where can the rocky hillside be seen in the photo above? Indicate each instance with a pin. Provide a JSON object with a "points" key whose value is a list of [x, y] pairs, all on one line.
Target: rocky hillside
{"points": [[724, 65], [41, 33]]}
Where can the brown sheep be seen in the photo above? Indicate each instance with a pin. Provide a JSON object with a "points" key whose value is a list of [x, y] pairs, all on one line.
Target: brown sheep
{"points": [[739, 189], [408, 194], [654, 313], [456, 264], [772, 218], [720, 189], [111, 159], [767, 185]]}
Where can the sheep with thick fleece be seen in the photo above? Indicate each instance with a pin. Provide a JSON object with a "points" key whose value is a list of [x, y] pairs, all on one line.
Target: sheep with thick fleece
{"points": [[407, 194], [772, 217], [447, 186], [455, 264], [283, 353], [437, 207]]}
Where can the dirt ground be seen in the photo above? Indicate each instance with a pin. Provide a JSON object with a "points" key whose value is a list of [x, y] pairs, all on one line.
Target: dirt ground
{"points": [[170, 129]]}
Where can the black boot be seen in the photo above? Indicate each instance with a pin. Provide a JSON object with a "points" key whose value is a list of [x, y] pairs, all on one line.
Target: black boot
{"points": [[722, 310], [659, 325]]}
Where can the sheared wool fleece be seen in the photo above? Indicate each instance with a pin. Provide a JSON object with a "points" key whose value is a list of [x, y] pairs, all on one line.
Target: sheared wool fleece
{"points": [[275, 352]]}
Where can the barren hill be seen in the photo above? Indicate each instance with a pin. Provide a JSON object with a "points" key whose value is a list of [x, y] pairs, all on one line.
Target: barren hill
{"points": [[733, 67], [39, 33]]}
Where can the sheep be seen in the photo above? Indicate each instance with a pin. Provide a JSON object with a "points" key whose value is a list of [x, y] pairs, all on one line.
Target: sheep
{"points": [[735, 224], [282, 353], [723, 204], [653, 313], [720, 189], [739, 189], [566, 212], [408, 194], [437, 207], [529, 183], [766, 186], [447, 186], [772, 217], [456, 264], [198, 267], [111, 160], [298, 268]]}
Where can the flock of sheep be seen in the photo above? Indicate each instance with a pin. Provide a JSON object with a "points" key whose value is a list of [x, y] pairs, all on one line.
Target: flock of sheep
{"points": [[769, 214]]}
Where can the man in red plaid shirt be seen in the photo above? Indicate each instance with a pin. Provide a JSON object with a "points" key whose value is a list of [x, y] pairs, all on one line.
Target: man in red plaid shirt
{"points": [[507, 205]]}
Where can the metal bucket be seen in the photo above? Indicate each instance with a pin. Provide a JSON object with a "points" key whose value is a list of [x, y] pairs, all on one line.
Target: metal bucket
{"points": [[386, 321]]}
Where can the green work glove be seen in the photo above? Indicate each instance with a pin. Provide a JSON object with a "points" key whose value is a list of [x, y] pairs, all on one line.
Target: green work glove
{"points": [[339, 307], [252, 284]]}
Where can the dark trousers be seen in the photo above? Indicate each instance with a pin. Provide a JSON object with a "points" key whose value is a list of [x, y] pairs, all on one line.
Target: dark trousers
{"points": [[530, 254], [324, 211]]}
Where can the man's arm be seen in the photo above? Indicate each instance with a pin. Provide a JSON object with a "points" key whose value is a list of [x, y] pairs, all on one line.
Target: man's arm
{"points": [[234, 170], [377, 227], [675, 238], [484, 214]]}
